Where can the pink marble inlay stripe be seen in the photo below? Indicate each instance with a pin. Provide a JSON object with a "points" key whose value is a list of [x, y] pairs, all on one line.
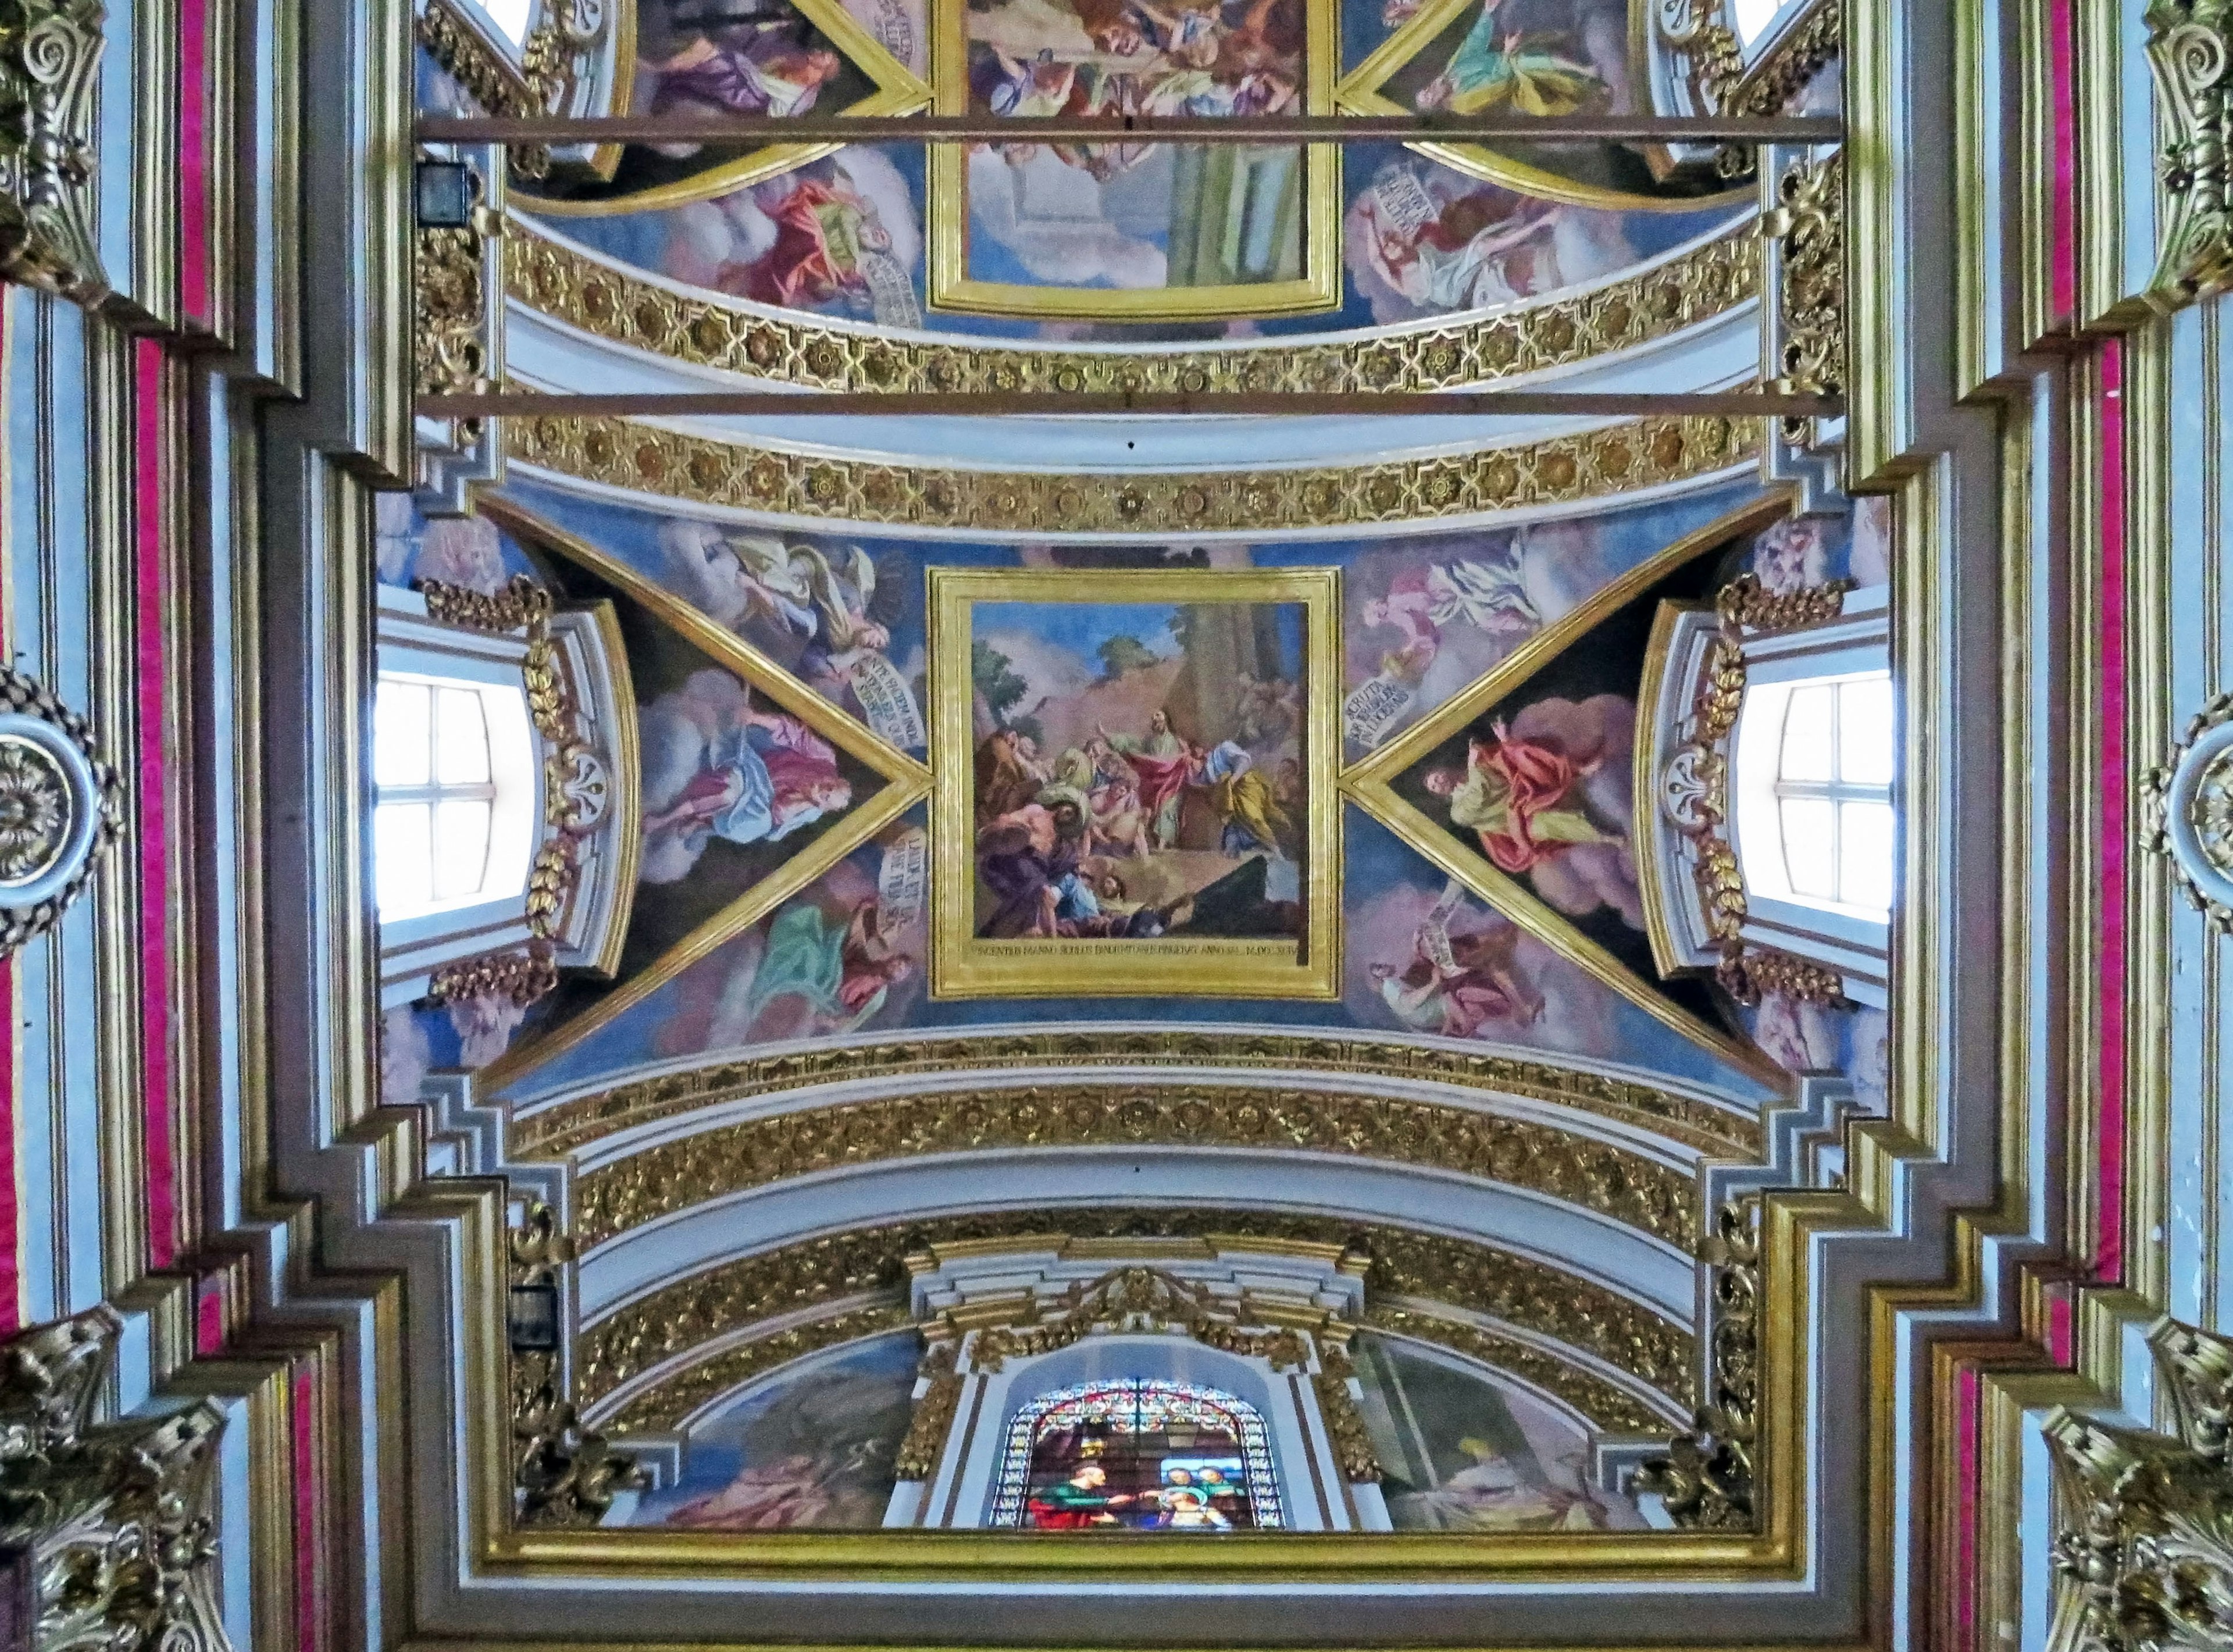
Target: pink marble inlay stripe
{"points": [[2062, 269], [1964, 1626], [193, 161], [309, 1624], [2109, 1240], [11, 1270], [154, 842], [209, 1318]]}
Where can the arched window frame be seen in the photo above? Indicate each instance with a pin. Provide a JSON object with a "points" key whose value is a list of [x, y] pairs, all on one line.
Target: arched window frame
{"points": [[414, 647]]}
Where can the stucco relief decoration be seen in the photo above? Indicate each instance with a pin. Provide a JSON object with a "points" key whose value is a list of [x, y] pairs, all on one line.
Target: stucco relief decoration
{"points": [[60, 803], [1807, 225], [543, 81], [115, 1515], [2187, 52], [450, 288], [1693, 790], [1707, 1478], [50, 50], [2187, 808], [2143, 1546], [564, 1474]]}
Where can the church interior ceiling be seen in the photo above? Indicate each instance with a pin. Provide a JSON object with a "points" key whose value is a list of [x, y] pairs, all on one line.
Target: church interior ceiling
{"points": [[1318, 846]]}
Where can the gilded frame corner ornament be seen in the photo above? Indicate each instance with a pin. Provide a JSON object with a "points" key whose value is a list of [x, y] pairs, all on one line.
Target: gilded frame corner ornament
{"points": [[962, 965], [50, 55]]}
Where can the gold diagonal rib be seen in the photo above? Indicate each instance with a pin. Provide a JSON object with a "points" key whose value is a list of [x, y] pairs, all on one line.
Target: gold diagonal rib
{"points": [[1555, 638], [791, 878], [1369, 784], [716, 640]]}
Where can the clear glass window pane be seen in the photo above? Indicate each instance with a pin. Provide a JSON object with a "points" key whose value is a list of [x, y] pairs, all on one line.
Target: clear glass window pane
{"points": [[1865, 731], [1751, 17], [1809, 739], [1810, 848], [461, 744], [461, 842], [511, 16], [1864, 857], [402, 853], [402, 733]]}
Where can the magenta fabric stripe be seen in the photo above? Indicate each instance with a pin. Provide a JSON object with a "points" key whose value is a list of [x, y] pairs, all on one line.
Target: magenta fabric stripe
{"points": [[154, 836], [194, 161], [2109, 1240]]}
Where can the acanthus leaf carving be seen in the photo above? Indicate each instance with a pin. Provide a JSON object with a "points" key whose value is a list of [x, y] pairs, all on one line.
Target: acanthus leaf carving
{"points": [[1706, 1479], [2187, 52], [50, 50], [115, 1515]]}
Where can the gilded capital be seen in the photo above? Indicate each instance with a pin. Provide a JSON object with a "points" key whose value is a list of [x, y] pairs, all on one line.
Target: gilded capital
{"points": [[2187, 54], [48, 51]]}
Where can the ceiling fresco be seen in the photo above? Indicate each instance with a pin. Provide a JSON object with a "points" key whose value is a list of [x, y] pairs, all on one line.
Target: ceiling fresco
{"points": [[1118, 831]]}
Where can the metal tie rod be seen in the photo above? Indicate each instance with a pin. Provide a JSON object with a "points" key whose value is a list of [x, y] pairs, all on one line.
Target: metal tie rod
{"points": [[1347, 404], [1251, 129]]}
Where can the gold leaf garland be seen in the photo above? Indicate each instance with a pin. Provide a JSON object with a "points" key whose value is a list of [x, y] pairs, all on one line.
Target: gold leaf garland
{"points": [[794, 348], [1613, 1182], [567, 1128], [917, 1457], [1638, 453]]}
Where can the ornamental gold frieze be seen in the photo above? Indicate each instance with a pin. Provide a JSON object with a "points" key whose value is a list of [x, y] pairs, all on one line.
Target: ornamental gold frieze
{"points": [[869, 1266], [567, 1128], [669, 1404], [1587, 465], [1613, 1182], [791, 347], [1605, 1404]]}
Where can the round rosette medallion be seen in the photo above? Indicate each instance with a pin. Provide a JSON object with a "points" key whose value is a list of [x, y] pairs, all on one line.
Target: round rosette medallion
{"points": [[2198, 814]]}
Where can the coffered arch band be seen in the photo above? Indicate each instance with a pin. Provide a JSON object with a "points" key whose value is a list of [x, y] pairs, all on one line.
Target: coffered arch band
{"points": [[671, 1355]]}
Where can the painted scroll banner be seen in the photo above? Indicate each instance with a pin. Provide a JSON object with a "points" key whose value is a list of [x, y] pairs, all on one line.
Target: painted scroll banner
{"points": [[1373, 707], [903, 879], [887, 701]]}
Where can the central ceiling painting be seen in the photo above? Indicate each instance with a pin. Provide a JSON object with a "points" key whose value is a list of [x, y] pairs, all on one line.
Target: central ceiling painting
{"points": [[1070, 238]]}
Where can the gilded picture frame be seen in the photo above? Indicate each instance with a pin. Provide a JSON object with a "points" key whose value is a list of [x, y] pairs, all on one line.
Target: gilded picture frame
{"points": [[951, 287], [966, 964]]}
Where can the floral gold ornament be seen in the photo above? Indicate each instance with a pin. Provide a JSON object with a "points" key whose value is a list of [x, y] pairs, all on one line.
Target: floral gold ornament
{"points": [[1136, 1299], [1353, 1446], [917, 1457], [60, 805], [564, 1474], [543, 81], [1707, 1478], [450, 298], [1644, 452], [116, 1516], [2187, 52], [50, 53], [569, 1127], [2187, 812], [1807, 226], [2143, 1552], [1620, 1185], [524, 977]]}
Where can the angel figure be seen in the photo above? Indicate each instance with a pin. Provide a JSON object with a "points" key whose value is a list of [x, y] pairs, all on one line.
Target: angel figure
{"points": [[1478, 985]]}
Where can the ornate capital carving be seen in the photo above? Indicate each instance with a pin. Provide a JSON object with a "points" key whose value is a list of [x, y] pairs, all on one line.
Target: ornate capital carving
{"points": [[2187, 52], [565, 1474], [1143, 1298], [48, 51], [2144, 1544], [115, 1515], [1706, 1478]]}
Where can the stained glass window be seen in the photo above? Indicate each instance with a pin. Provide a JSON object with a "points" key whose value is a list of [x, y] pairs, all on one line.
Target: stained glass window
{"points": [[1139, 1454]]}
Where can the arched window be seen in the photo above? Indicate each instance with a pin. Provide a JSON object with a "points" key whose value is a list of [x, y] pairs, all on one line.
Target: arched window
{"points": [[1750, 18], [454, 823], [1814, 784], [1139, 1453]]}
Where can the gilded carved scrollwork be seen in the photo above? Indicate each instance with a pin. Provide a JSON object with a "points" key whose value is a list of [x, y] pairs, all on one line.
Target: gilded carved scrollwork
{"points": [[1706, 1478], [1142, 1299], [1406, 1270], [567, 1128], [1699, 29], [50, 50], [670, 1176], [1643, 453], [2143, 1546], [564, 1474], [792, 348], [114, 1515], [1345, 1424], [1809, 226], [1693, 790], [2187, 52], [451, 355]]}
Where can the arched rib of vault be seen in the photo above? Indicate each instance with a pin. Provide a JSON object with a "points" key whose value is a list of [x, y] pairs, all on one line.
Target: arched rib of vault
{"points": [[589, 1124], [662, 1359]]}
